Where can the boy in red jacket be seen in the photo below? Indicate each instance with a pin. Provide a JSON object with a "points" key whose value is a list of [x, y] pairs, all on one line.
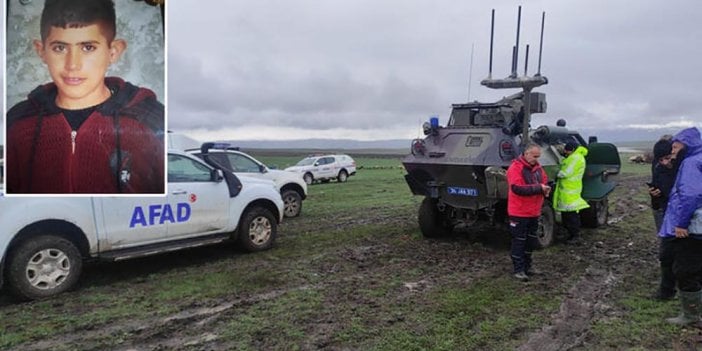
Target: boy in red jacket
{"points": [[84, 132], [526, 181]]}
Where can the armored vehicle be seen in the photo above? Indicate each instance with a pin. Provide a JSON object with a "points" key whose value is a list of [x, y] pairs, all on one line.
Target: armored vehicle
{"points": [[460, 168]]}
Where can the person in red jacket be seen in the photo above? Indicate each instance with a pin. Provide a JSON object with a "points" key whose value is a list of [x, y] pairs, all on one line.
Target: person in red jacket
{"points": [[526, 180], [84, 132]]}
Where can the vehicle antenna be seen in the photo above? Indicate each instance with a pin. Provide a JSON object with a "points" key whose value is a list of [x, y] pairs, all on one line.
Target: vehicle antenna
{"points": [[541, 41], [526, 83], [526, 60], [470, 70], [419, 131], [515, 56], [492, 35]]}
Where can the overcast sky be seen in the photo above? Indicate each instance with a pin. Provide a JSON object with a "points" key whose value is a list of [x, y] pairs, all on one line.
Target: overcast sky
{"points": [[369, 70]]}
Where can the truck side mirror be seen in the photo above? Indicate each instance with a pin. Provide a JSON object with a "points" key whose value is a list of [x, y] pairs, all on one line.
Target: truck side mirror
{"points": [[591, 140], [217, 175]]}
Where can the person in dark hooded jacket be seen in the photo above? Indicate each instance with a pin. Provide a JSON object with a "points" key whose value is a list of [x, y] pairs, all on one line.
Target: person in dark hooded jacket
{"points": [[683, 221], [662, 178]]}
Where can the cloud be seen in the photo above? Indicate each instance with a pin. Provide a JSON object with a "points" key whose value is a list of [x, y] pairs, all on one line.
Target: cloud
{"points": [[370, 69], [259, 132], [679, 124]]}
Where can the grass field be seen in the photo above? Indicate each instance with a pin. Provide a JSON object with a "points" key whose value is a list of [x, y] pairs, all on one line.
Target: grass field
{"points": [[354, 273]]}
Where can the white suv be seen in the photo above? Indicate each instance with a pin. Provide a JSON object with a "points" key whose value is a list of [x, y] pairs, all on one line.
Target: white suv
{"points": [[293, 188], [325, 167]]}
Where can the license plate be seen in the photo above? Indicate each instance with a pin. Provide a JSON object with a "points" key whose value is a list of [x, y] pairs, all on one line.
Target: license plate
{"points": [[474, 141], [455, 190]]}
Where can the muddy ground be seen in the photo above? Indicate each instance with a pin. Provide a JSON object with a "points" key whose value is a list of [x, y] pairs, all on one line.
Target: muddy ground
{"points": [[608, 256]]}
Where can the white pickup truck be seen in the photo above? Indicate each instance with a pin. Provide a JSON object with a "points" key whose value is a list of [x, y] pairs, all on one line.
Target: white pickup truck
{"points": [[44, 240], [293, 188]]}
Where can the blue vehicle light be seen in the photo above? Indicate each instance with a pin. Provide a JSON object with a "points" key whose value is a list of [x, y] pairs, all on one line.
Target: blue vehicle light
{"points": [[434, 121], [221, 145]]}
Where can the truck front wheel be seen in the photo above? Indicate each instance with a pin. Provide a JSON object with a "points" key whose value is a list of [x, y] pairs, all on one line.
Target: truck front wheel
{"points": [[544, 233], [596, 215], [43, 266], [308, 178], [257, 229], [293, 203], [431, 221], [342, 177]]}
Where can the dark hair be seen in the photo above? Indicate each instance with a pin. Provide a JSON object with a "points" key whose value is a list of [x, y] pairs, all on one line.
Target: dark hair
{"points": [[78, 14], [571, 145], [661, 148]]}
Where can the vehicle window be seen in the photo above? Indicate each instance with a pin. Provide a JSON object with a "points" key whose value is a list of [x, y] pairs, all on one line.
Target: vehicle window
{"points": [[461, 117], [328, 160], [306, 161], [242, 163], [220, 159], [182, 169]]}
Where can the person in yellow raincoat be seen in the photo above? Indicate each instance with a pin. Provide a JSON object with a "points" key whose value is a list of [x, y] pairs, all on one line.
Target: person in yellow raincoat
{"points": [[566, 198]]}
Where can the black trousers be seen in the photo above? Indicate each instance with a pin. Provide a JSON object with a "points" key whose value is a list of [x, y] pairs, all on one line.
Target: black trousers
{"points": [[524, 241], [687, 265], [571, 221], [666, 256]]}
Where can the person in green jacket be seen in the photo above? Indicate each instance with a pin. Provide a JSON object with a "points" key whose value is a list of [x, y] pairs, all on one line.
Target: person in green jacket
{"points": [[566, 198]]}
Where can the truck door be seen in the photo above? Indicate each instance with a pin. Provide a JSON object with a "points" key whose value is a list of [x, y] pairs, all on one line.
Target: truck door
{"points": [[602, 164], [326, 167], [199, 202], [130, 221]]}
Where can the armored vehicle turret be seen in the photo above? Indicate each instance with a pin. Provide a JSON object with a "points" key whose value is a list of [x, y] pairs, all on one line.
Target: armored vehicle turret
{"points": [[460, 168]]}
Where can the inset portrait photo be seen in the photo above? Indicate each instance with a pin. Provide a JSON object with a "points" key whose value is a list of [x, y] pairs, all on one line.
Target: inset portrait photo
{"points": [[85, 93]]}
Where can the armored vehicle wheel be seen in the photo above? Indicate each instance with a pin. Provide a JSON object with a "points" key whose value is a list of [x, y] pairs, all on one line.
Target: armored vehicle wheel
{"points": [[546, 227], [431, 222], [43, 266], [596, 215]]}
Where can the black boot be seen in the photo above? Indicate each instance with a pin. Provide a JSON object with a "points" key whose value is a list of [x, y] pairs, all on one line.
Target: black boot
{"points": [[666, 291], [574, 239]]}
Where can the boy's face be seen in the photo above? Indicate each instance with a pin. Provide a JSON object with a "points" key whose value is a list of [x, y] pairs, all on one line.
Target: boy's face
{"points": [[78, 59]]}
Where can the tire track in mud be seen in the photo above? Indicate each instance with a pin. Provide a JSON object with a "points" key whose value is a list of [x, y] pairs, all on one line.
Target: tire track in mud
{"points": [[200, 327], [158, 330], [569, 327], [169, 332], [586, 300]]}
